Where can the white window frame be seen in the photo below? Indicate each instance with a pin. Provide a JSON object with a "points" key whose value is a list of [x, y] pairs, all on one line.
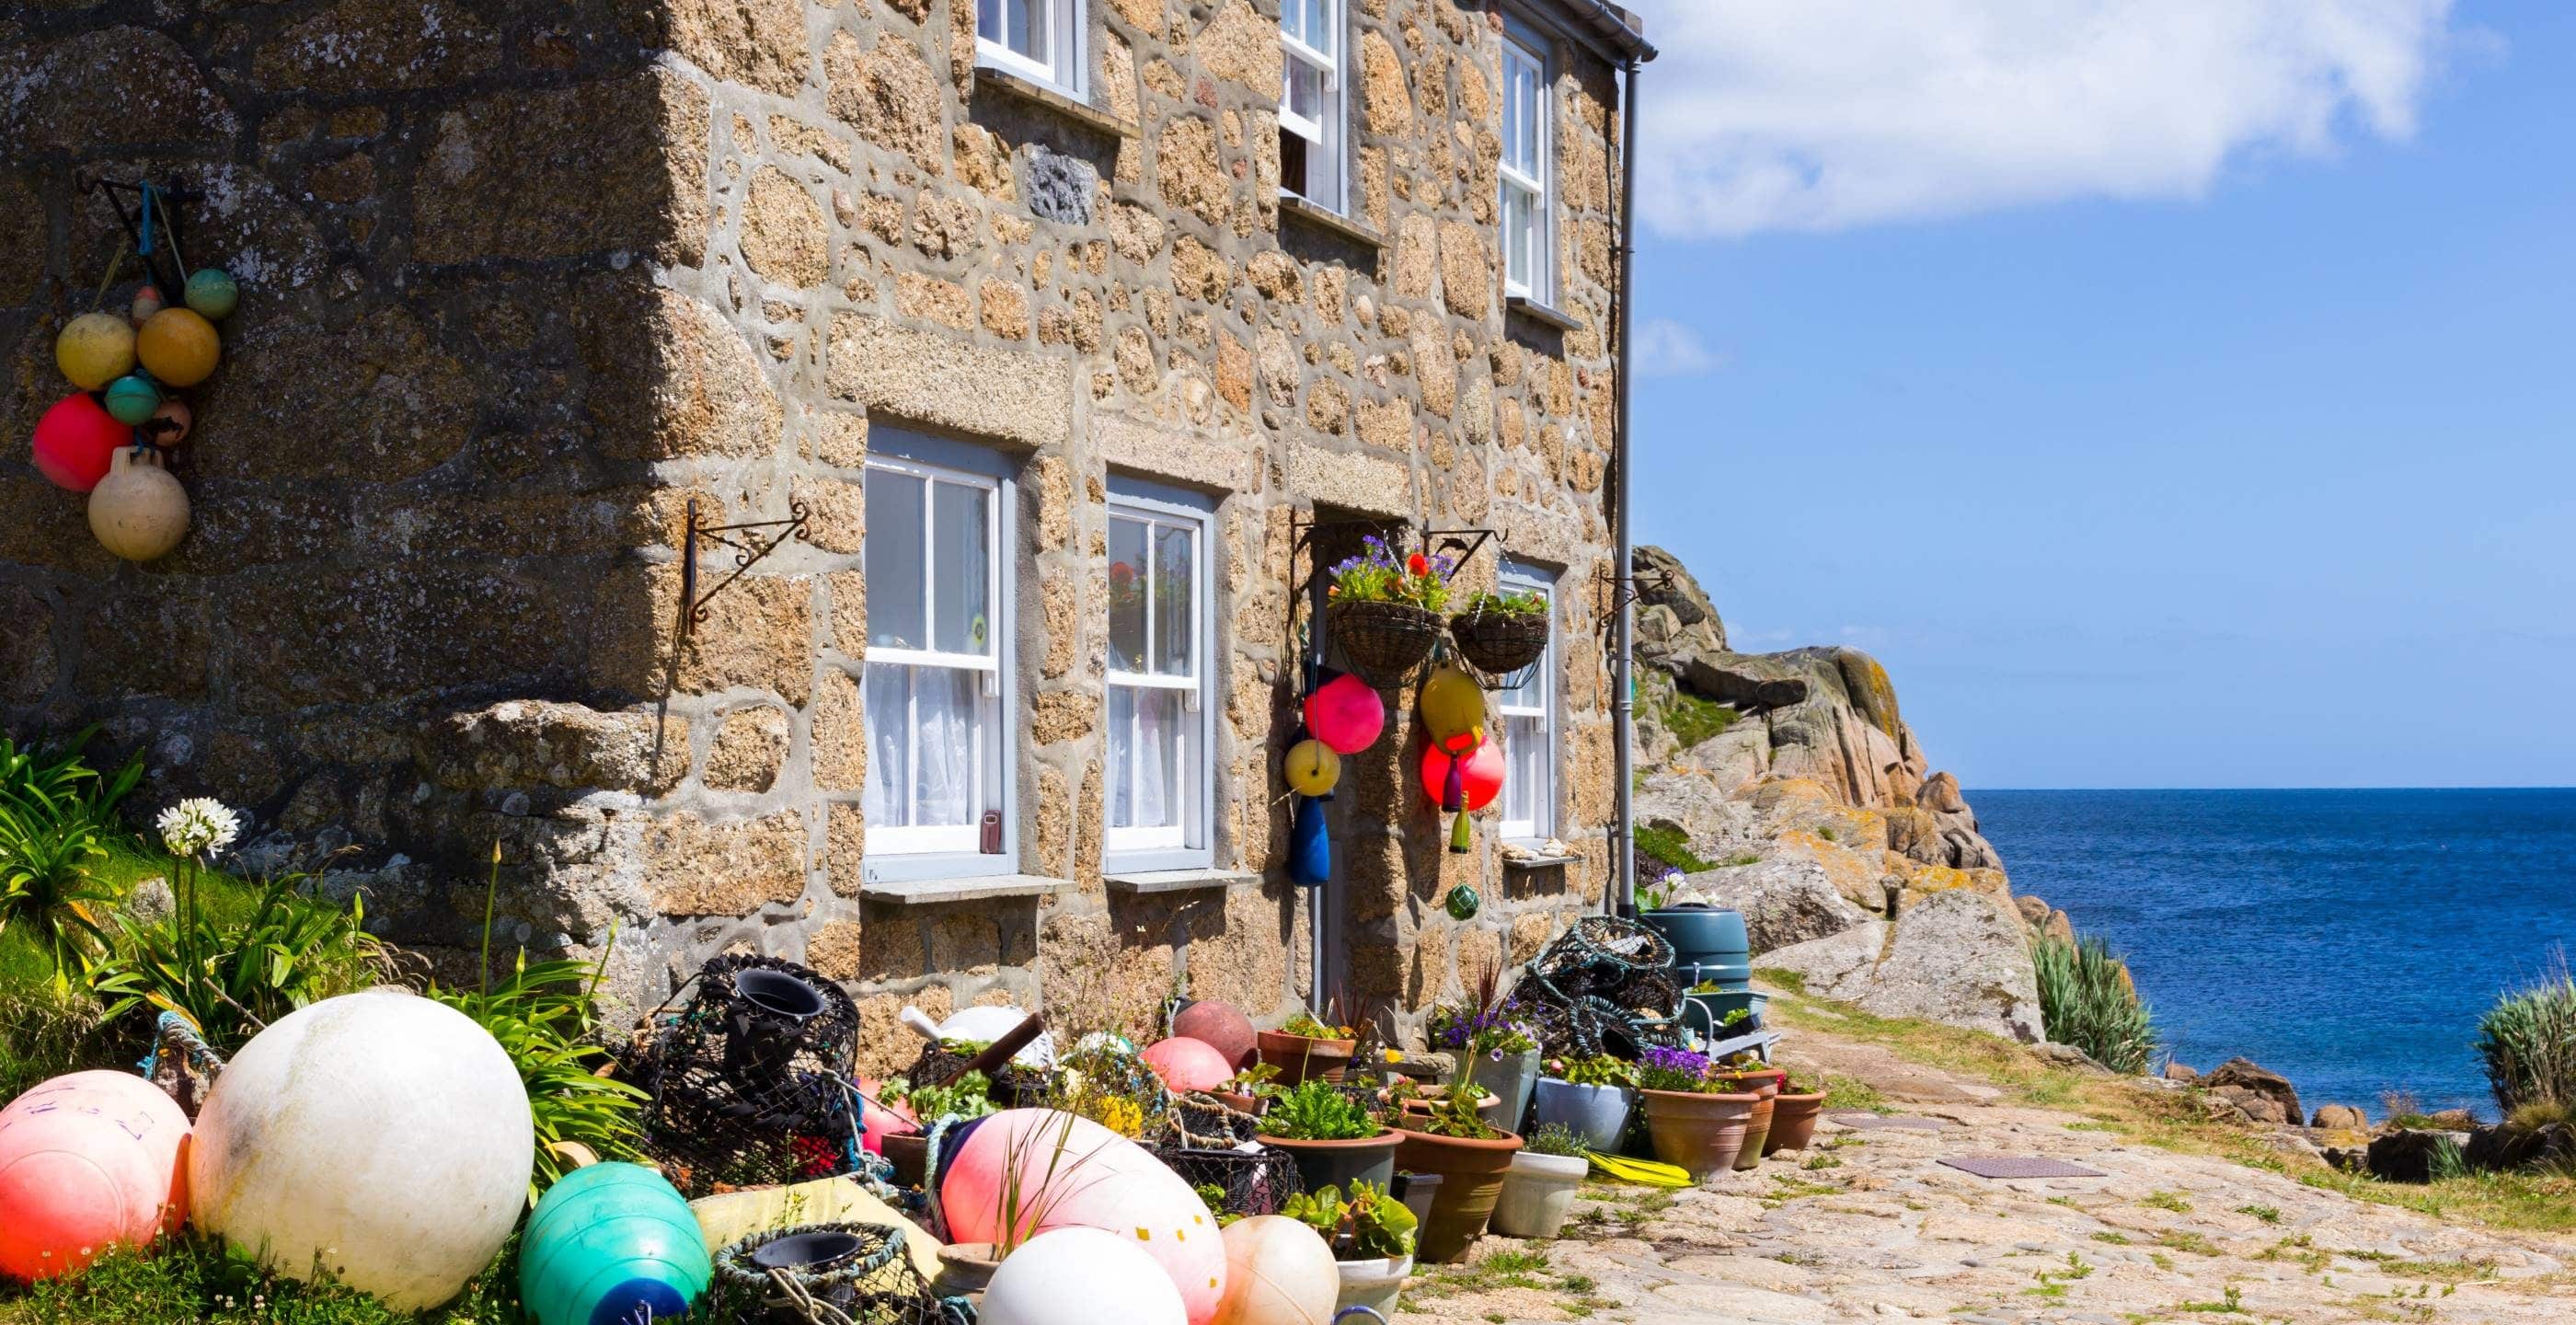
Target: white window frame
{"points": [[1066, 39], [1518, 577], [906, 852], [1327, 136], [1191, 845], [1524, 46]]}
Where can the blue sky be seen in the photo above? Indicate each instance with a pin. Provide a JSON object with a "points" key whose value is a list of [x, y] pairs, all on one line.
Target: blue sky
{"points": [[2207, 418]]}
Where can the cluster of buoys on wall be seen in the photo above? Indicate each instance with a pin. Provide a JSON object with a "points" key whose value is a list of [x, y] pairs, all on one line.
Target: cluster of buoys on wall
{"points": [[1461, 769], [115, 436]]}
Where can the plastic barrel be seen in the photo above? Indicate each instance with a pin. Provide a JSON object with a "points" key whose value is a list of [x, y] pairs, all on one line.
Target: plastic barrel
{"points": [[609, 1243], [1708, 944]]}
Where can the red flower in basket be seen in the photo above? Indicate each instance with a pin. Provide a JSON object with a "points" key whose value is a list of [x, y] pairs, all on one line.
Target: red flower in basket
{"points": [[1418, 564]]}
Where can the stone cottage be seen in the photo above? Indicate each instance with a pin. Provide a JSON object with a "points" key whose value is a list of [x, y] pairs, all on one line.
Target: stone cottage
{"points": [[1077, 333]]}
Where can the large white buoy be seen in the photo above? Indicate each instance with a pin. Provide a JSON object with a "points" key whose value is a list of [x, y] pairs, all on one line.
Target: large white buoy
{"points": [[1277, 1272], [380, 1135], [1080, 1276]]}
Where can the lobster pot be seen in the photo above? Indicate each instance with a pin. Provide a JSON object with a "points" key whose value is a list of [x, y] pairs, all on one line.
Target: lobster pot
{"points": [[748, 1084], [1604, 986], [827, 1274], [1256, 1181]]}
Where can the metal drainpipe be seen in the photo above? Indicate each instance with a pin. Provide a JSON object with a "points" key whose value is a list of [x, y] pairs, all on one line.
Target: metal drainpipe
{"points": [[1623, 854]]}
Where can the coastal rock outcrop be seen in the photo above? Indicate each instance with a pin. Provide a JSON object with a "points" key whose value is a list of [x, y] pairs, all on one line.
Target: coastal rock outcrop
{"points": [[1959, 957], [2258, 1092], [1785, 901]]}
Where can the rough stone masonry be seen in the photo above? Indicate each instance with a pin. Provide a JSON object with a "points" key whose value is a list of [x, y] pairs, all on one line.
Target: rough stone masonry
{"points": [[521, 281]]}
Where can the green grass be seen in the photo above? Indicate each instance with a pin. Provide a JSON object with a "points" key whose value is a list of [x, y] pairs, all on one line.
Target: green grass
{"points": [[2268, 1214], [192, 1279], [2167, 1201], [1692, 719], [1671, 846], [1853, 1094]]}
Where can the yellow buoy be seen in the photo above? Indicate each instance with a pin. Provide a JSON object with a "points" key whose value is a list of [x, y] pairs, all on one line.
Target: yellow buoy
{"points": [[1452, 704], [94, 350], [179, 346], [1312, 769]]}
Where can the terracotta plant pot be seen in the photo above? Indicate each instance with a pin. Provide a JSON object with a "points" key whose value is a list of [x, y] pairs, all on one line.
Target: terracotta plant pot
{"points": [[1757, 1130], [909, 1152], [1239, 1103], [1301, 1058], [966, 1267], [1793, 1122], [1471, 1179], [1334, 1163], [1699, 1133]]}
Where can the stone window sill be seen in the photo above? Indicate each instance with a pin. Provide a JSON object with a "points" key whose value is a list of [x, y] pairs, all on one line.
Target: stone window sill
{"points": [[1324, 218], [1143, 882], [1543, 314], [1534, 862], [931, 892], [1039, 94]]}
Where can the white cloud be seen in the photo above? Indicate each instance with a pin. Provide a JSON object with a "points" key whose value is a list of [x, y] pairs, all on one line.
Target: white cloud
{"points": [[1666, 348], [1823, 114]]}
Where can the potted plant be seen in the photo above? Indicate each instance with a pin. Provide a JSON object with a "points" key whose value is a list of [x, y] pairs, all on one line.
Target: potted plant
{"points": [[1371, 1234], [1470, 1155], [1538, 1189], [1592, 1097], [1492, 1032], [1249, 1090], [1306, 1047], [1501, 635], [1384, 610], [1694, 1123], [969, 1096], [1742, 1074], [1793, 1115], [1333, 1138], [1413, 1100]]}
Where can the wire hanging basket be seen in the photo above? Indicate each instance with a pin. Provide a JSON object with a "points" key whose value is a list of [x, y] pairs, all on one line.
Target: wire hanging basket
{"points": [[1384, 643], [1500, 649]]}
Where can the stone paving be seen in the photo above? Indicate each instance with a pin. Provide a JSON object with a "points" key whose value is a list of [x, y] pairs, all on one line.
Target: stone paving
{"points": [[1870, 1227]]}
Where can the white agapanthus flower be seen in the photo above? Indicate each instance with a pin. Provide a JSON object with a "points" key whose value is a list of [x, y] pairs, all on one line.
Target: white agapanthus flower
{"points": [[198, 826]]}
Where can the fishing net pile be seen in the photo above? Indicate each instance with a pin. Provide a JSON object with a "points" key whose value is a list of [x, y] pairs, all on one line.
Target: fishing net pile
{"points": [[748, 1083], [1604, 986]]}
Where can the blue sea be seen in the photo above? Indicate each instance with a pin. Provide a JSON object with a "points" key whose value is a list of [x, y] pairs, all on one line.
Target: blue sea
{"points": [[2348, 940]]}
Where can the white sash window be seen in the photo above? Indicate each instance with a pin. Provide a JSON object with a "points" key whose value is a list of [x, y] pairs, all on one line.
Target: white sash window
{"points": [[933, 559], [1158, 678], [1312, 108], [1527, 714], [1037, 39], [1528, 115]]}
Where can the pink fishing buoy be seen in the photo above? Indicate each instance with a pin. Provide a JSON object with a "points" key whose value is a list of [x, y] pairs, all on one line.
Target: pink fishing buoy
{"points": [[75, 439], [1075, 1173], [88, 1161], [1221, 1025], [877, 1123], [1187, 1064], [1346, 714]]}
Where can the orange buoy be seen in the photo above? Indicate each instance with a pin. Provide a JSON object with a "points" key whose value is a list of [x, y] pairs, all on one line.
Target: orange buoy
{"points": [[178, 346]]}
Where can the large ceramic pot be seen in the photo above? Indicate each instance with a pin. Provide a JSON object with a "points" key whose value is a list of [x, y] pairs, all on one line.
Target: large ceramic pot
{"points": [[1300, 1058], [1373, 1284], [1757, 1129], [1511, 1079], [1471, 1180], [1538, 1193], [1700, 1133], [1598, 1114], [1322, 1164], [1793, 1122], [1708, 943]]}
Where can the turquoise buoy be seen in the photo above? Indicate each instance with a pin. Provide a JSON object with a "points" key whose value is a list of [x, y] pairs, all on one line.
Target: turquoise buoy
{"points": [[132, 398], [1464, 903], [212, 294], [612, 1242]]}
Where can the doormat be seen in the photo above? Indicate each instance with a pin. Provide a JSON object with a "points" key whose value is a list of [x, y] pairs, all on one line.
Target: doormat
{"points": [[2020, 1166], [1869, 1121]]}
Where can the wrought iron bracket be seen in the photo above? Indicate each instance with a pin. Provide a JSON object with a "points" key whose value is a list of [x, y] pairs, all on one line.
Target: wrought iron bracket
{"points": [[1625, 590], [750, 543], [1301, 539]]}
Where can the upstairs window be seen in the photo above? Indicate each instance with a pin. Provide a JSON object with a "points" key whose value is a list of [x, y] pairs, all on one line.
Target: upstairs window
{"points": [[1527, 713], [1159, 679], [1528, 114], [1036, 39], [1311, 108], [936, 673]]}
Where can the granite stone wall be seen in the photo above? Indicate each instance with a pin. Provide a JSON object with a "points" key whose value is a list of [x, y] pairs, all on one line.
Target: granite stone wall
{"points": [[525, 280]]}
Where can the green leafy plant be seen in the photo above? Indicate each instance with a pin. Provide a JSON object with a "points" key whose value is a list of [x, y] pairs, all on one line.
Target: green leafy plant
{"points": [[57, 815], [969, 1096], [1670, 846], [1261, 1081], [1555, 1139], [233, 978], [1317, 1111], [1458, 1111], [2528, 1042], [2086, 999], [1523, 603], [1378, 574], [1600, 1070], [1214, 1197], [1307, 1025], [1369, 1225]]}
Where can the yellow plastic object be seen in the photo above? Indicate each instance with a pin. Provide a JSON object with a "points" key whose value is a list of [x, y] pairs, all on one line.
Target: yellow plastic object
{"points": [[1652, 1173], [730, 1218], [1312, 769], [1452, 704], [178, 346], [94, 350]]}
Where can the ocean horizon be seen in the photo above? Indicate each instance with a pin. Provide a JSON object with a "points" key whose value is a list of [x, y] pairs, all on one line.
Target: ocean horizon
{"points": [[2347, 938]]}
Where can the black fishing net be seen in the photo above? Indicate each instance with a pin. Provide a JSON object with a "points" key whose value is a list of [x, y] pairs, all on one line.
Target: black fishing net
{"points": [[747, 1085], [827, 1274], [1252, 1179], [1604, 986]]}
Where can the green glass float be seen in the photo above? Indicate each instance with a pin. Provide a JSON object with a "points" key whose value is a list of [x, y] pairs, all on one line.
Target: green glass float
{"points": [[1464, 903], [212, 293], [132, 398]]}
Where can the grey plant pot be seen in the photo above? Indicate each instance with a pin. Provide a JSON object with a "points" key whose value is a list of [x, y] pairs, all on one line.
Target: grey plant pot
{"points": [[1509, 1080], [1599, 1114]]}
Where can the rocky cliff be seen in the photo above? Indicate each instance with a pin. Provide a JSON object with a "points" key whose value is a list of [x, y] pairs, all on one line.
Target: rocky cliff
{"points": [[1789, 787]]}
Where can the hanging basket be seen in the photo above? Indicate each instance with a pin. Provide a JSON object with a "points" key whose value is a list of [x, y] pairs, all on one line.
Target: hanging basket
{"points": [[1500, 648], [1385, 643]]}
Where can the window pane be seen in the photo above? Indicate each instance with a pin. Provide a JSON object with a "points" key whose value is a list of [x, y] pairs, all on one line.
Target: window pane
{"points": [[892, 548], [1029, 23], [988, 19], [947, 782], [1147, 760], [1129, 576], [1525, 787], [1511, 113], [961, 531], [1305, 90], [889, 736], [1319, 31], [1175, 594], [1517, 239]]}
